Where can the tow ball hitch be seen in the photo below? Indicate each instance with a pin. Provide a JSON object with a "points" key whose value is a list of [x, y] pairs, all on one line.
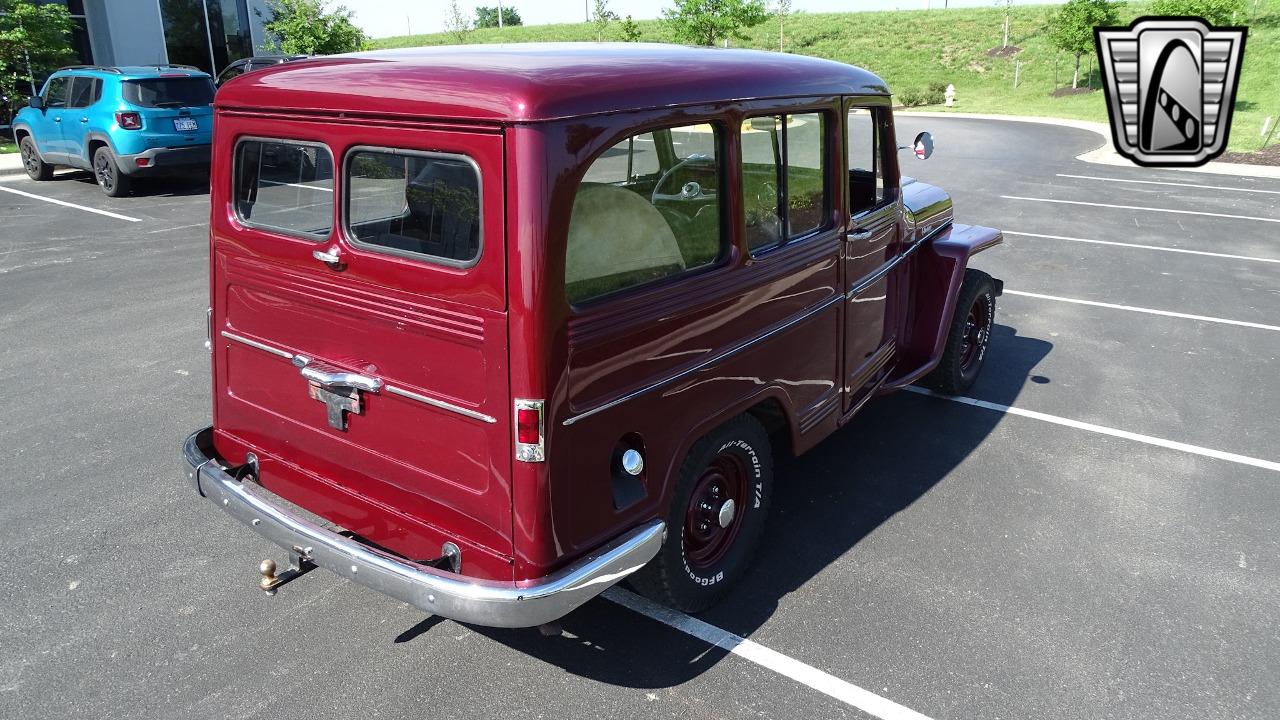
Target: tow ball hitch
{"points": [[300, 564]]}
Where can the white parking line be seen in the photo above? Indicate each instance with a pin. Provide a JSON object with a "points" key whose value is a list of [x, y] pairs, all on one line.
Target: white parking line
{"points": [[1104, 430], [1149, 311], [1138, 207], [827, 684], [1206, 253], [70, 205], [1175, 184]]}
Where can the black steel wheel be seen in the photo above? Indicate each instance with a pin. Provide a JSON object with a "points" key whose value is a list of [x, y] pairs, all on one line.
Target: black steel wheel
{"points": [[716, 517], [968, 337]]}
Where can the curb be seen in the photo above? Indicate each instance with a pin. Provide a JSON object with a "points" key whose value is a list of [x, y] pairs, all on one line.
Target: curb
{"points": [[1105, 154]]}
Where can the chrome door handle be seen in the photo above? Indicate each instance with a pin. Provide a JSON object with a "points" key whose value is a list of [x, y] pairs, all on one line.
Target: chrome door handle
{"points": [[57, 119], [860, 235], [329, 377], [331, 257], [84, 119]]}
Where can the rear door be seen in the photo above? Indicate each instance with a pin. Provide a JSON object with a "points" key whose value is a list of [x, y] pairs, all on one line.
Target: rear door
{"points": [[85, 91], [176, 109], [377, 252]]}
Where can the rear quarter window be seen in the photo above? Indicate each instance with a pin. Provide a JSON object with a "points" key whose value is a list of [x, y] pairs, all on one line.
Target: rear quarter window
{"points": [[169, 92], [414, 204], [284, 186]]}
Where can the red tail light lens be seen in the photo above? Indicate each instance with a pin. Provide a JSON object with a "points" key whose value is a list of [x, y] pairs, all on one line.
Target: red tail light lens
{"points": [[530, 445], [129, 120], [527, 426]]}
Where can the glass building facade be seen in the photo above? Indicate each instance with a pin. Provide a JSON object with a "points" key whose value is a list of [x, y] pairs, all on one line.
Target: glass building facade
{"points": [[208, 34]]}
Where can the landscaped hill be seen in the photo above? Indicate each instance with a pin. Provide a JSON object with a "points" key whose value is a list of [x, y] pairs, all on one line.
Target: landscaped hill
{"points": [[912, 49]]}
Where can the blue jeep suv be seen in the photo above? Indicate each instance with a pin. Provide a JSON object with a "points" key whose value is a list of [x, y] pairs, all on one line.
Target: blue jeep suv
{"points": [[118, 122]]}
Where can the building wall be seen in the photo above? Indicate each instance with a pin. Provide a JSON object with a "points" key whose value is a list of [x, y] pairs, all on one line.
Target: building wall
{"points": [[126, 32]]}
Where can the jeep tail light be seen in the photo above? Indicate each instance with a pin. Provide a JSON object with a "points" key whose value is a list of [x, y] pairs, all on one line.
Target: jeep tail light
{"points": [[129, 120], [530, 446]]}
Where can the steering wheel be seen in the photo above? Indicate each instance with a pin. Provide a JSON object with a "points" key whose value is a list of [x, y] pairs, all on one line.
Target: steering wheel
{"points": [[689, 191]]}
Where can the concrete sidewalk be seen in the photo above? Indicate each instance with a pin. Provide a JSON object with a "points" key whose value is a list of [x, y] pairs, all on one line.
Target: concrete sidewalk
{"points": [[11, 164]]}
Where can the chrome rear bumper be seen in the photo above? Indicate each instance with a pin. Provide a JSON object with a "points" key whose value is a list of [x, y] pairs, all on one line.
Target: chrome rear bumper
{"points": [[439, 592]]}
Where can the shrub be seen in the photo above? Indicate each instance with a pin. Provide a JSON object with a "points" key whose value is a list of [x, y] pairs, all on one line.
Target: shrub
{"points": [[1216, 12]]}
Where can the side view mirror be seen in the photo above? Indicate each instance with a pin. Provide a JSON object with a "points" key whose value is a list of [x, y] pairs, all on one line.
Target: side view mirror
{"points": [[36, 102], [923, 146]]}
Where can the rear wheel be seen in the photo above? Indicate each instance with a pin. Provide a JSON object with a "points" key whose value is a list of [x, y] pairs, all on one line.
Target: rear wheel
{"points": [[968, 337], [717, 515], [107, 172], [36, 168]]}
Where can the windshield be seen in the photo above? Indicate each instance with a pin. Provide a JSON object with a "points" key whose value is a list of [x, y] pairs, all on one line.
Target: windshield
{"points": [[170, 92]]}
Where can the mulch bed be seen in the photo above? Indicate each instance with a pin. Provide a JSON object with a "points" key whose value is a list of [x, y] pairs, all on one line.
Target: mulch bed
{"points": [[1267, 156], [1063, 92]]}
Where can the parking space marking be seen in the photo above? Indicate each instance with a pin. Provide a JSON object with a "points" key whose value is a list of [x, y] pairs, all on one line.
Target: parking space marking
{"points": [[1149, 311], [1103, 430], [70, 205], [825, 683], [1175, 184], [1139, 207], [1206, 253]]}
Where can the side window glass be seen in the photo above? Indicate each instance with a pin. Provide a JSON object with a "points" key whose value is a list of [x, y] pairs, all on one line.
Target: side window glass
{"points": [[284, 186], [414, 204], [866, 176], [55, 93], [647, 208], [783, 178], [81, 95]]}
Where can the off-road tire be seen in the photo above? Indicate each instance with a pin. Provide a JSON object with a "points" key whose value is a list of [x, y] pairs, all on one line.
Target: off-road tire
{"points": [[106, 171], [36, 168], [671, 578], [962, 361]]}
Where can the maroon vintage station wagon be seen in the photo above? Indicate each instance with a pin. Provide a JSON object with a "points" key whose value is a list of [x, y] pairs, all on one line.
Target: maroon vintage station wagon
{"points": [[494, 328]]}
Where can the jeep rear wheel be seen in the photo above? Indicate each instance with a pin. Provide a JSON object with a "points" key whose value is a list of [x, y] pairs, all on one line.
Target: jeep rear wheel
{"points": [[107, 172], [36, 168], [715, 520], [968, 336]]}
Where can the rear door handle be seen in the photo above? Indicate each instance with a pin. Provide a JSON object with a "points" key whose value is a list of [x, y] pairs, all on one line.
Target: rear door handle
{"points": [[860, 235], [331, 257], [84, 119], [330, 377]]}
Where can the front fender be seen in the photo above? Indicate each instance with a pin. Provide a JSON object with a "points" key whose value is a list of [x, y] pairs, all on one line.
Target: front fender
{"points": [[935, 274]]}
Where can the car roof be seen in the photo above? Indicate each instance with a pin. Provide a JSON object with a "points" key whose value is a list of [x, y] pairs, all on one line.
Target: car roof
{"points": [[132, 72], [538, 81]]}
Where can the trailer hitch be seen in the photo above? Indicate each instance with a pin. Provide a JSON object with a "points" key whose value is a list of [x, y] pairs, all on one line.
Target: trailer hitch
{"points": [[299, 564]]}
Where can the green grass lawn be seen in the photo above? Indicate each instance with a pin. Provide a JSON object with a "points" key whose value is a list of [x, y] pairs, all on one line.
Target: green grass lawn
{"points": [[7, 147], [913, 48]]}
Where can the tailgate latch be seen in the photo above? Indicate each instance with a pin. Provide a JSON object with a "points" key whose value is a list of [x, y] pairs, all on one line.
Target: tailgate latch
{"points": [[337, 389]]}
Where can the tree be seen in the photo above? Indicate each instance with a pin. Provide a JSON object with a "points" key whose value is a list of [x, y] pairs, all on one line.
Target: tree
{"points": [[1071, 27], [457, 24], [1216, 12], [487, 17], [306, 27], [630, 30], [1008, 7], [601, 16], [705, 22], [34, 41], [783, 9]]}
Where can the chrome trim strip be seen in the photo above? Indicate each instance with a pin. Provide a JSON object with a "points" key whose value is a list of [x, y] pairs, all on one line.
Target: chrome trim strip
{"points": [[255, 344], [708, 362], [492, 603], [440, 404]]}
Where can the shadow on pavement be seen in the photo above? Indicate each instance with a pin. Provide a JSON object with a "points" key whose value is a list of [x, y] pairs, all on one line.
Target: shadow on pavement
{"points": [[825, 502], [175, 185]]}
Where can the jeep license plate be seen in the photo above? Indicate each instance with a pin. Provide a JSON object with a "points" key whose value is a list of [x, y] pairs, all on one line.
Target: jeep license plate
{"points": [[185, 124]]}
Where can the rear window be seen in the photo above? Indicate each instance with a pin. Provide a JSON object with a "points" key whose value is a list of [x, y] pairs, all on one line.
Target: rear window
{"points": [[414, 204], [169, 92], [285, 186]]}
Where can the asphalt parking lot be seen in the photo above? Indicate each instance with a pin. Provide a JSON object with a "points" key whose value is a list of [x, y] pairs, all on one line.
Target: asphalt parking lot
{"points": [[1096, 536]]}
